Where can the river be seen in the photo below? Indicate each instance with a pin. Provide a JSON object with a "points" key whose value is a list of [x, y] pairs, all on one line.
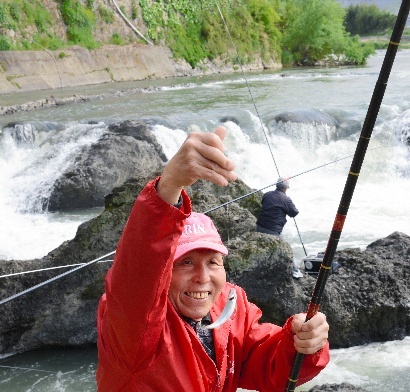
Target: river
{"points": [[177, 106]]}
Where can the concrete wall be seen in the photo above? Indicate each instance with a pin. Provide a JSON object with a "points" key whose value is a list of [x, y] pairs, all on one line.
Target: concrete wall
{"points": [[38, 70]]}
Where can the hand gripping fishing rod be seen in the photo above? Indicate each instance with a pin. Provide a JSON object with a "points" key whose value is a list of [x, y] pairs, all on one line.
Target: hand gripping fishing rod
{"points": [[352, 178]]}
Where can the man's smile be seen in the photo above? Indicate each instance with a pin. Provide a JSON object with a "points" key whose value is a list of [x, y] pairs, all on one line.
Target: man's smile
{"points": [[197, 295]]}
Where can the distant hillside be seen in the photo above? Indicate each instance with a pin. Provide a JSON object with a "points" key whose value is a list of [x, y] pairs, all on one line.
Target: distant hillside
{"points": [[388, 5]]}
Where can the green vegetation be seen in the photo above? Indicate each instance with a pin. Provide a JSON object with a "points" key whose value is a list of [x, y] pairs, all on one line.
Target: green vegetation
{"points": [[5, 43], [11, 80], [374, 26], [313, 30], [19, 15], [122, 8], [80, 21], [43, 41], [194, 30], [134, 9], [297, 31], [368, 20], [23, 13], [292, 31], [116, 39], [107, 15]]}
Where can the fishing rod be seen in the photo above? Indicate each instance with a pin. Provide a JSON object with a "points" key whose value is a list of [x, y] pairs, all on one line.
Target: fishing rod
{"points": [[256, 109], [352, 178]]}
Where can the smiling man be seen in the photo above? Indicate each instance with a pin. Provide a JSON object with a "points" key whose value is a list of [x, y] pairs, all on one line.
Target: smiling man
{"points": [[198, 274], [168, 320]]}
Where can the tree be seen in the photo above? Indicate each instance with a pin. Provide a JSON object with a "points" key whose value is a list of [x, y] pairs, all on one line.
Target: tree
{"points": [[368, 19], [314, 30]]}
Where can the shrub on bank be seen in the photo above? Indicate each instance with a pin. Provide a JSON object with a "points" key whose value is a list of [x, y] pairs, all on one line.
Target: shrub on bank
{"points": [[367, 19], [314, 30]]}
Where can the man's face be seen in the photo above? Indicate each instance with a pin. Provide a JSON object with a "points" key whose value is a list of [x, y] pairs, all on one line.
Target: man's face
{"points": [[197, 280]]}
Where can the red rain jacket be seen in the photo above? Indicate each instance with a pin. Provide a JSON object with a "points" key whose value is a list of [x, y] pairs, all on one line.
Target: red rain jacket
{"points": [[145, 346]]}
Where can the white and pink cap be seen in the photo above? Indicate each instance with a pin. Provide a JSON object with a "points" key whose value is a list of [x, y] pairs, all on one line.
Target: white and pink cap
{"points": [[199, 233]]}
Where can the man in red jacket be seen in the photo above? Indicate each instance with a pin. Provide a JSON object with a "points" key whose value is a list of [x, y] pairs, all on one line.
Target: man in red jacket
{"points": [[168, 320]]}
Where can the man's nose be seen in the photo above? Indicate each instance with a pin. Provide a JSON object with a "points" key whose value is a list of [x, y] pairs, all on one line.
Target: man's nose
{"points": [[202, 273]]}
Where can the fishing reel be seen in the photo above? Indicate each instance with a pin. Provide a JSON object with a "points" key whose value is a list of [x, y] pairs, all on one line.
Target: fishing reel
{"points": [[312, 264]]}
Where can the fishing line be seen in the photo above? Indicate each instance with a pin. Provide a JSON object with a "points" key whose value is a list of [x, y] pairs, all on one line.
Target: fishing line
{"points": [[278, 182], [48, 269], [256, 109], [23, 368], [46, 282], [247, 85]]}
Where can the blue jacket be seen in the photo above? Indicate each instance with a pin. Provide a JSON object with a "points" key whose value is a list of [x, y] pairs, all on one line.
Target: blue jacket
{"points": [[275, 206]]}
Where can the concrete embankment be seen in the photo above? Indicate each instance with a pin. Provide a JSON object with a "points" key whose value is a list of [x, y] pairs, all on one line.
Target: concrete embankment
{"points": [[40, 70], [31, 71]]}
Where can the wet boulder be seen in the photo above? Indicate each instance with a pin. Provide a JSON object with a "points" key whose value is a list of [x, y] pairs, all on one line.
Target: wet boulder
{"points": [[126, 150], [367, 299], [309, 127], [22, 133]]}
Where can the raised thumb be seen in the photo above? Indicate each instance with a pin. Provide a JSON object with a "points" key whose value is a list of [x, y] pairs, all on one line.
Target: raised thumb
{"points": [[221, 132]]}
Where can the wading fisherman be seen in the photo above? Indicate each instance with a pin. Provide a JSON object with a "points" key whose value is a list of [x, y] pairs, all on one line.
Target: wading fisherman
{"points": [[168, 283], [276, 205]]}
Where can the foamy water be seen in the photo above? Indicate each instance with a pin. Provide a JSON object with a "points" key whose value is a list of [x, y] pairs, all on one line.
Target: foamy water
{"points": [[27, 175]]}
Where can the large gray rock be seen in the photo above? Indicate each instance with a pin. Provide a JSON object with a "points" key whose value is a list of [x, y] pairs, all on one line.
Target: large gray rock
{"points": [[309, 127], [368, 299], [128, 150]]}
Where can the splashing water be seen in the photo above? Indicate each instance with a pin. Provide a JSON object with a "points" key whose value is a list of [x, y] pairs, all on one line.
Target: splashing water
{"points": [[28, 173]]}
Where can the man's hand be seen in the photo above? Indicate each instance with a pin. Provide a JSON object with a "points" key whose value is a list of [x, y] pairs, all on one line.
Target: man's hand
{"points": [[310, 336], [200, 157]]}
